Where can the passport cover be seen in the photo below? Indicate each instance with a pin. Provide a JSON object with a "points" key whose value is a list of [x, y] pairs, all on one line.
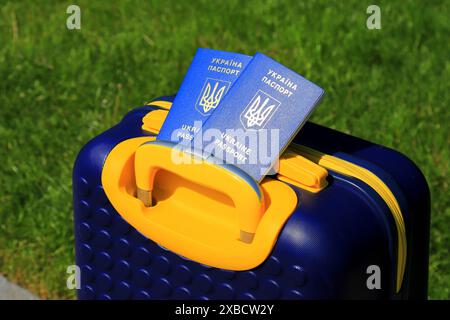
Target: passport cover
{"points": [[207, 81], [259, 116]]}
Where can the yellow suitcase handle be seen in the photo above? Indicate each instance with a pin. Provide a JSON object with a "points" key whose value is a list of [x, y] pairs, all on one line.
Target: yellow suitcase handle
{"points": [[244, 193], [199, 222]]}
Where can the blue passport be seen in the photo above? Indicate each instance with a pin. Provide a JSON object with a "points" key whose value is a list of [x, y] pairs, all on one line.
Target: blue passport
{"points": [[258, 118], [210, 76]]}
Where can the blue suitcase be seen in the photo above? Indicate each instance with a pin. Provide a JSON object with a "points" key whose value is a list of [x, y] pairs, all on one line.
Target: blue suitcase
{"points": [[360, 233]]}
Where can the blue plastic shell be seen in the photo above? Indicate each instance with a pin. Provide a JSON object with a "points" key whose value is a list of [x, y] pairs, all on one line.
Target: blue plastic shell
{"points": [[323, 250]]}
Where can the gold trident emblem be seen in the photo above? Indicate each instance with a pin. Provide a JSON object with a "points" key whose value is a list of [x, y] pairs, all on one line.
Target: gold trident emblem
{"points": [[210, 100], [256, 113]]}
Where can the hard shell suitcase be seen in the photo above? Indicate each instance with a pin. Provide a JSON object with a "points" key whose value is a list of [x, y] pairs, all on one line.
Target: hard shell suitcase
{"points": [[345, 219]]}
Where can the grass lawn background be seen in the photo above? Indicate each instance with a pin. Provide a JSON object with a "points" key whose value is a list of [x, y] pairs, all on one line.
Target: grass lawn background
{"points": [[60, 88]]}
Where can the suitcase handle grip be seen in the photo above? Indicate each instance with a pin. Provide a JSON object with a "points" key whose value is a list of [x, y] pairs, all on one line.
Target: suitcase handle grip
{"points": [[244, 192], [185, 220]]}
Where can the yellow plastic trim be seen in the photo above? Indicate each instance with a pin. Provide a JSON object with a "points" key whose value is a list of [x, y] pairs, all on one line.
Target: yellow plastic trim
{"points": [[160, 103], [301, 172], [153, 121], [193, 220], [350, 169]]}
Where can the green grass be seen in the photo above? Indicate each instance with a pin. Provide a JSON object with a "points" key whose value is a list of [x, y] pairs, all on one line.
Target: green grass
{"points": [[59, 88]]}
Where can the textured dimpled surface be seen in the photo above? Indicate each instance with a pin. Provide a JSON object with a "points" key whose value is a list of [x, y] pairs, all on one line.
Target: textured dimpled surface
{"points": [[117, 262]]}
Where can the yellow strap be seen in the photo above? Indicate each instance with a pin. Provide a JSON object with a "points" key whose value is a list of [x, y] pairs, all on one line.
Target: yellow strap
{"points": [[160, 103], [301, 172], [353, 170], [153, 121]]}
